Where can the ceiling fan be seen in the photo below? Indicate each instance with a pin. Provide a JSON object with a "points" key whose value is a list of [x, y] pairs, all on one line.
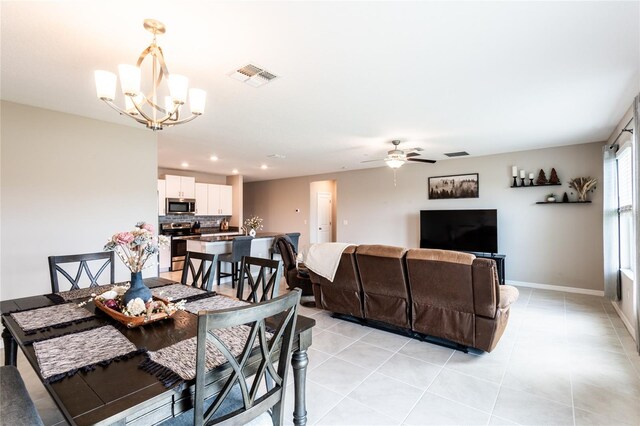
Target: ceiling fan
{"points": [[397, 157]]}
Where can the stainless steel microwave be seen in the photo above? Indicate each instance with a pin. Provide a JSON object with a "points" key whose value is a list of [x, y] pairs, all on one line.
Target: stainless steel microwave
{"points": [[181, 206]]}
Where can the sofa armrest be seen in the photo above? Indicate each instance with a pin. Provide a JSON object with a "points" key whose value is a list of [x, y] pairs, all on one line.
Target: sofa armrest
{"points": [[486, 295], [508, 295]]}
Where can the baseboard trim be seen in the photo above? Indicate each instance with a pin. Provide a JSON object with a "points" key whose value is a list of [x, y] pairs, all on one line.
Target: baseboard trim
{"points": [[557, 288], [624, 320]]}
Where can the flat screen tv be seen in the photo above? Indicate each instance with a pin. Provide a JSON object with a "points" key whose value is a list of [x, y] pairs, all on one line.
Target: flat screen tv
{"points": [[461, 230]]}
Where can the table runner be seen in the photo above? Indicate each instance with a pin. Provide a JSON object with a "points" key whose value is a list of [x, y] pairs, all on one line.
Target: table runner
{"points": [[64, 356], [57, 316], [175, 292], [81, 293]]}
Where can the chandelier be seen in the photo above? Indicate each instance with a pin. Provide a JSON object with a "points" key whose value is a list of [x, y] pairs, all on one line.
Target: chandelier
{"points": [[145, 108]]}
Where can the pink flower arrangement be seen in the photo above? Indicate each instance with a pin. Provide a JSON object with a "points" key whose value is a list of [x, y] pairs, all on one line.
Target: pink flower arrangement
{"points": [[136, 247]]}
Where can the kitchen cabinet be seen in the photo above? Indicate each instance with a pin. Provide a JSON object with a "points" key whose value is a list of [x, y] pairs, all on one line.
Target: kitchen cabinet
{"points": [[161, 197], [202, 206], [219, 200], [180, 186]]}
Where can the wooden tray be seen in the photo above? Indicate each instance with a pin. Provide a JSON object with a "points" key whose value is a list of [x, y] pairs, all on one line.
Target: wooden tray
{"points": [[132, 322]]}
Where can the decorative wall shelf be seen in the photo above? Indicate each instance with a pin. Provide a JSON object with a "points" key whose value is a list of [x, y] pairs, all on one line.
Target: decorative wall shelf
{"points": [[534, 186], [560, 202]]}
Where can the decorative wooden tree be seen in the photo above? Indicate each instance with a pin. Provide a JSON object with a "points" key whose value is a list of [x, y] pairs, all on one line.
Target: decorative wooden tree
{"points": [[565, 198], [553, 179], [542, 178]]}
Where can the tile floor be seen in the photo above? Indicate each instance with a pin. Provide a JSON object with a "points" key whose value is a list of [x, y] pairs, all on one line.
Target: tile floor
{"points": [[565, 359]]}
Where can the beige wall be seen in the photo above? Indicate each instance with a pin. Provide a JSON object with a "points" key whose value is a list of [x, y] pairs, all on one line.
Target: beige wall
{"points": [[67, 184], [545, 244]]}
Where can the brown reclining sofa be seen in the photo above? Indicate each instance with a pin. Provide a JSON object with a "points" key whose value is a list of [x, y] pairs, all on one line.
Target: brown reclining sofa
{"points": [[445, 294]]}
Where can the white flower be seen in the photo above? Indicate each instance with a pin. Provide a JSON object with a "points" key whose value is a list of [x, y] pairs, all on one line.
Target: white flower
{"points": [[136, 307], [108, 295]]}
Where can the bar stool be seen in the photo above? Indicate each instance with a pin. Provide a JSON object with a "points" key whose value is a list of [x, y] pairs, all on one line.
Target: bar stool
{"points": [[240, 247]]}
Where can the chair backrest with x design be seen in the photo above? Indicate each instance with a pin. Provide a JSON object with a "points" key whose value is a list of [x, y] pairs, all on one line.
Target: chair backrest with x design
{"points": [[82, 260], [202, 276], [263, 348], [263, 286]]}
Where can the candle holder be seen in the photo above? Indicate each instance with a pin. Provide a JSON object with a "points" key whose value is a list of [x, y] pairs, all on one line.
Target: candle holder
{"points": [[531, 182], [515, 182], [523, 182]]}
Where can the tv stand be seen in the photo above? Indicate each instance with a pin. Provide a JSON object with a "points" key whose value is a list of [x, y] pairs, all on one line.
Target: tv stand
{"points": [[500, 262]]}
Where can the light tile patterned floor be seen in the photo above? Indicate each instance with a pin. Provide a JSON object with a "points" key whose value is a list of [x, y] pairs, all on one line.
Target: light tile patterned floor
{"points": [[565, 359]]}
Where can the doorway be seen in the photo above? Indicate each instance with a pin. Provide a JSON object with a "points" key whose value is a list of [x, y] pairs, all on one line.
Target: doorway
{"points": [[322, 212]]}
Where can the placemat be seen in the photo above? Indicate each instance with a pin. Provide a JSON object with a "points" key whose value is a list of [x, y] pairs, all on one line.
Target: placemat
{"points": [[175, 292], [64, 356], [177, 363], [213, 303], [56, 316]]}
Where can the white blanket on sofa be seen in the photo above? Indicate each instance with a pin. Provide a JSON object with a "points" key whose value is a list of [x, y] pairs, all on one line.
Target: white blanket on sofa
{"points": [[323, 258]]}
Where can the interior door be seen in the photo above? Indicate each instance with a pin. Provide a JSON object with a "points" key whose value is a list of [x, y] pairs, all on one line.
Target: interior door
{"points": [[324, 217]]}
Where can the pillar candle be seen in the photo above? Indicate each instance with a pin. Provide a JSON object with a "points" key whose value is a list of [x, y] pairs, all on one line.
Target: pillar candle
{"points": [[521, 174], [514, 171], [530, 175]]}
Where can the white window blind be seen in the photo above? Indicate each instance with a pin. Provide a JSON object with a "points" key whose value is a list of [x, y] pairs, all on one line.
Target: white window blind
{"points": [[625, 208], [625, 184]]}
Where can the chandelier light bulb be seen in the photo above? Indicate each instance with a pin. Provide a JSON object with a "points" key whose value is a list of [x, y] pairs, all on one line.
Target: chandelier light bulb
{"points": [[168, 104], [178, 85], [129, 79], [197, 101], [105, 84]]}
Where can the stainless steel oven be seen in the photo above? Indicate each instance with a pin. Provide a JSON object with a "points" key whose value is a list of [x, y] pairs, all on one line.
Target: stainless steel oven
{"points": [[181, 206], [179, 232]]}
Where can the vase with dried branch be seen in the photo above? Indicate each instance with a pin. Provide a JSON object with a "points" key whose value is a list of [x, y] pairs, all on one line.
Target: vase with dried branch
{"points": [[583, 185]]}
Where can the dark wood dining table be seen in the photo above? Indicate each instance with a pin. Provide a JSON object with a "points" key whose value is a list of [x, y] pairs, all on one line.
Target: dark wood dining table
{"points": [[122, 393]]}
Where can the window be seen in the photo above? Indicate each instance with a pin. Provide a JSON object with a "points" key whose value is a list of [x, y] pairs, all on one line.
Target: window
{"points": [[625, 207]]}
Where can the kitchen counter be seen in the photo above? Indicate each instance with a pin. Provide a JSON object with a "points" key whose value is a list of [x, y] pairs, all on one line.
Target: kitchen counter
{"points": [[225, 238]]}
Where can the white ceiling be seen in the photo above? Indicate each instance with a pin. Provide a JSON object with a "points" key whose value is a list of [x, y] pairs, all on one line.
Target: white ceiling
{"points": [[485, 77]]}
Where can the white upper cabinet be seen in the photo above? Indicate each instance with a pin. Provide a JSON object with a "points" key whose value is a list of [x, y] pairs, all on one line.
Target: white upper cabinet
{"points": [[161, 197], [219, 200], [202, 207], [226, 200], [180, 186]]}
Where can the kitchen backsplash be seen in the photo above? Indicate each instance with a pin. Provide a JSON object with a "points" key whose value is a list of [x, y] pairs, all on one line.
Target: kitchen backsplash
{"points": [[205, 221]]}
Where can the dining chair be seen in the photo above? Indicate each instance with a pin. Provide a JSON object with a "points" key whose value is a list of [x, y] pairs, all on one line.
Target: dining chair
{"points": [[17, 406], [265, 283], [242, 398], [200, 267], [55, 269], [240, 247]]}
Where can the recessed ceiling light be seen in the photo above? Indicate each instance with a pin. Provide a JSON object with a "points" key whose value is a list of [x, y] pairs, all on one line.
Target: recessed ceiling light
{"points": [[263, 167], [213, 158], [234, 171], [185, 164], [281, 156]]}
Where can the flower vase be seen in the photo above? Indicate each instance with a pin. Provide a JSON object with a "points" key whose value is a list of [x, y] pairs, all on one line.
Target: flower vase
{"points": [[137, 289], [252, 232]]}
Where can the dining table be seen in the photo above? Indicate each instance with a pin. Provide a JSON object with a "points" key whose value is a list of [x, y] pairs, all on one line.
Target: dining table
{"points": [[122, 392]]}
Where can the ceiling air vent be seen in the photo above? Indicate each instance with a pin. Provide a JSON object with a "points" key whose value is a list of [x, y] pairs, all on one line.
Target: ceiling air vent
{"points": [[252, 75], [456, 154]]}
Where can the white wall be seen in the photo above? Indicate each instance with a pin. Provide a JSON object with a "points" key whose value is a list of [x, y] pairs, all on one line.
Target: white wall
{"points": [[67, 184], [545, 244], [200, 177]]}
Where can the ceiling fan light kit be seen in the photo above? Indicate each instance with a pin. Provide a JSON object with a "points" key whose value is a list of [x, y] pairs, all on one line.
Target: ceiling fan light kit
{"points": [[397, 157], [155, 116]]}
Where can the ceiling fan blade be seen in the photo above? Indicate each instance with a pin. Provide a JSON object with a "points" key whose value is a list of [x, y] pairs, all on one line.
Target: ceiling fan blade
{"points": [[371, 161], [415, 149], [421, 160], [412, 154]]}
